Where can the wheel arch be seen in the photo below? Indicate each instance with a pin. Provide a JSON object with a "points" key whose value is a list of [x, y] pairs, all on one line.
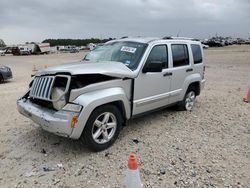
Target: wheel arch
{"points": [[193, 80], [91, 101], [118, 104], [195, 86]]}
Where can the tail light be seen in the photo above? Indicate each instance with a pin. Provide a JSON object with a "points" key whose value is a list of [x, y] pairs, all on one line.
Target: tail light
{"points": [[204, 68]]}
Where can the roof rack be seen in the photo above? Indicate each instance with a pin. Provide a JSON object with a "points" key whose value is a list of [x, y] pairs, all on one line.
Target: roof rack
{"points": [[124, 37], [179, 38], [167, 38]]}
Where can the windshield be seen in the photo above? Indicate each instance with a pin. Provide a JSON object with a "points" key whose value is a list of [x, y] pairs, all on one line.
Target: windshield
{"points": [[128, 53]]}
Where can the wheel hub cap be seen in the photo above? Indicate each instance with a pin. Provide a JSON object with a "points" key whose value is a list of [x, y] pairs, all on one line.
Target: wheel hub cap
{"points": [[190, 100], [104, 128]]}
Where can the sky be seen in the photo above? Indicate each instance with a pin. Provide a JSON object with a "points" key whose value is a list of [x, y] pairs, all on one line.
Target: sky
{"points": [[35, 20]]}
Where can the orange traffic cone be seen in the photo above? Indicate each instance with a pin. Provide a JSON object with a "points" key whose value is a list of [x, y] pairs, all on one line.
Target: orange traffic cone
{"points": [[132, 178], [248, 96]]}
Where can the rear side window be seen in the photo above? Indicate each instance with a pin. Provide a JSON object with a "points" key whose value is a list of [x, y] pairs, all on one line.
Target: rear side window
{"points": [[159, 53], [196, 50], [180, 55]]}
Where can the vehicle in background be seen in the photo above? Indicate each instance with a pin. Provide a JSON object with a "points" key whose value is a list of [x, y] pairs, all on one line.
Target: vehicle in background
{"points": [[53, 49], [8, 50], [120, 80], [66, 49], [15, 51], [24, 50], [205, 46], [21, 50], [74, 50], [214, 43], [91, 46], [5, 73], [224, 41], [2, 52], [84, 48], [43, 48], [247, 41], [33, 48]]}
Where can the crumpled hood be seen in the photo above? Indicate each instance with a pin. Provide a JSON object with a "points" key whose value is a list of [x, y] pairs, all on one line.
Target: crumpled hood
{"points": [[109, 68]]}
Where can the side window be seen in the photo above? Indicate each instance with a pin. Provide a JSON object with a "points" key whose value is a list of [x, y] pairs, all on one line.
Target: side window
{"points": [[159, 53], [196, 50], [180, 55]]}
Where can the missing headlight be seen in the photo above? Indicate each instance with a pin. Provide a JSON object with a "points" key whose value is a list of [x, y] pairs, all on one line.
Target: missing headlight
{"points": [[58, 97], [80, 81]]}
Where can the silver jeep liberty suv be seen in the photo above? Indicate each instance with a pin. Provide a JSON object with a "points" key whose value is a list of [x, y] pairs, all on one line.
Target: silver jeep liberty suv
{"points": [[90, 100]]}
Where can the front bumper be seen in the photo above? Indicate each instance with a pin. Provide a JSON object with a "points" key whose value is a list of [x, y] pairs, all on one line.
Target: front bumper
{"points": [[57, 122]]}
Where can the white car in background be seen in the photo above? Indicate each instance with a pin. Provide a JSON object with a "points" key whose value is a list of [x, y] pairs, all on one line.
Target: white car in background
{"points": [[2, 52], [24, 50]]}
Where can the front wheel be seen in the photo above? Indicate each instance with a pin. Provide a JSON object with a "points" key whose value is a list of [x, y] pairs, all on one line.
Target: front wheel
{"points": [[1, 78], [188, 101], [102, 128]]}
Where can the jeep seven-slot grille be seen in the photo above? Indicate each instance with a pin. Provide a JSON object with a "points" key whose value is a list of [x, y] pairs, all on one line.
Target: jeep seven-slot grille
{"points": [[41, 87]]}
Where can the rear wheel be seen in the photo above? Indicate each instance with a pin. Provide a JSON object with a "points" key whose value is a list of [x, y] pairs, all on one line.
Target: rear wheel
{"points": [[188, 102], [102, 128]]}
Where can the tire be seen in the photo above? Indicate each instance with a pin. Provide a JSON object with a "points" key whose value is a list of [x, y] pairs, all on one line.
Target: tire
{"points": [[1, 79], [187, 103], [96, 134]]}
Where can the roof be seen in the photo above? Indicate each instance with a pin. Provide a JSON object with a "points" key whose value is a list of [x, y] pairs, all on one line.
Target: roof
{"points": [[137, 39], [151, 39]]}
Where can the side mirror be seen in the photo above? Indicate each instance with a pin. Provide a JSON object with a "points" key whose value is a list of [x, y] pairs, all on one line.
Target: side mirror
{"points": [[152, 66]]}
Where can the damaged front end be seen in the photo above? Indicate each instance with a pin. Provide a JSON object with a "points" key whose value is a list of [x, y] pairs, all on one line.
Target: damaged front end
{"points": [[50, 89], [46, 103], [49, 103]]}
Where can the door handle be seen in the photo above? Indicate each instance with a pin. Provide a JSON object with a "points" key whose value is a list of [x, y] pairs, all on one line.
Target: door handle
{"points": [[189, 70], [168, 74]]}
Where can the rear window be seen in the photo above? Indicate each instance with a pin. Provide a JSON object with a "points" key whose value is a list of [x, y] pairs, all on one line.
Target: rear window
{"points": [[180, 55], [196, 50]]}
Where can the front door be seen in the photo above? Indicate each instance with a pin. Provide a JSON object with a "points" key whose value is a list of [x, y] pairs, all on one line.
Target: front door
{"points": [[151, 89]]}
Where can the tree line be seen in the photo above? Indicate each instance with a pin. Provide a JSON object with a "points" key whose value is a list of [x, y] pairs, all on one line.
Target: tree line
{"points": [[75, 42]]}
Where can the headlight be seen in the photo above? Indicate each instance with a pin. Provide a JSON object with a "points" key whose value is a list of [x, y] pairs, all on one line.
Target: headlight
{"points": [[58, 98], [72, 107]]}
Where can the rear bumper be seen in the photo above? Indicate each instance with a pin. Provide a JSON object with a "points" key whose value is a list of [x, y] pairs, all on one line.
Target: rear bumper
{"points": [[57, 122]]}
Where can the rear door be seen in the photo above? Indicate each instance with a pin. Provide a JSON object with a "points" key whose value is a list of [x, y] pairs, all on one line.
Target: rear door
{"points": [[181, 68], [151, 89], [197, 53]]}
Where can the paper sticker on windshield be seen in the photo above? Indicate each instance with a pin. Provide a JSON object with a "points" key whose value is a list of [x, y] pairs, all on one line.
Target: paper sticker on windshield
{"points": [[128, 49]]}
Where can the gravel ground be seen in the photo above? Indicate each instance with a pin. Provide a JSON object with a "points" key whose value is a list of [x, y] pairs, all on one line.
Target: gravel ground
{"points": [[208, 147]]}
